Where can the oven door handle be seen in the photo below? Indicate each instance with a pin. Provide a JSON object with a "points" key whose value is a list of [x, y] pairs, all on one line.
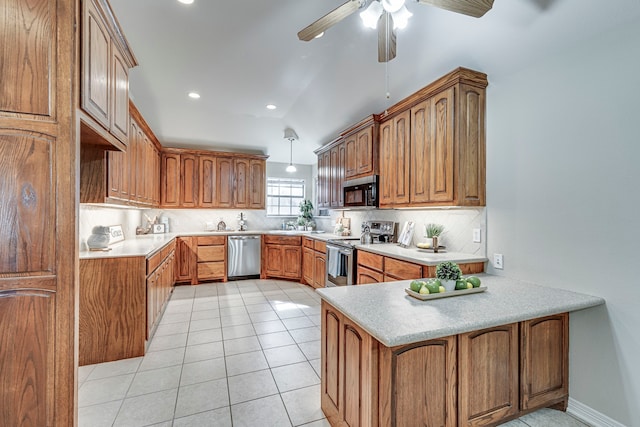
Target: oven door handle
{"points": [[340, 250]]}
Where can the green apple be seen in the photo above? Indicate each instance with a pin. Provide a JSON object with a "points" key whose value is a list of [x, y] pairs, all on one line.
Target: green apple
{"points": [[461, 284], [415, 285], [475, 281]]}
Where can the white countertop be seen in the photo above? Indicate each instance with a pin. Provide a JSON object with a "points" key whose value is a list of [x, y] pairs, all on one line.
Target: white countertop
{"points": [[394, 318], [147, 244], [413, 254]]}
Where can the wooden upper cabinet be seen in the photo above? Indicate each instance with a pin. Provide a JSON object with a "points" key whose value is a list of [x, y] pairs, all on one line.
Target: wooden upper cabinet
{"points": [[170, 185], [335, 186], [224, 182], [324, 179], [188, 180], [351, 161], [96, 65], [440, 142], [104, 83], [366, 157], [242, 180], [207, 181], [470, 130], [257, 184], [394, 160]]}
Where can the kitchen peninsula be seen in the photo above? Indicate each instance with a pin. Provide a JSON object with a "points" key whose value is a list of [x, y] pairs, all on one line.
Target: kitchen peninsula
{"points": [[475, 360]]}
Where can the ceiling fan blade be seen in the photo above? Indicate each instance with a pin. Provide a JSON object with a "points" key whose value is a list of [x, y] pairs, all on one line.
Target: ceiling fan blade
{"points": [[475, 8], [330, 19], [386, 38]]}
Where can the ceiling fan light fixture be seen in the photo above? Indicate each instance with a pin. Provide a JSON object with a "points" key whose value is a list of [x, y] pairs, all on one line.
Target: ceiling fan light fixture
{"points": [[401, 18], [319, 35], [392, 6], [371, 14]]}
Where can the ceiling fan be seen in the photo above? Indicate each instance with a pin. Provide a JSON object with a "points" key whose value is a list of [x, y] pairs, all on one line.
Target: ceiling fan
{"points": [[387, 16]]}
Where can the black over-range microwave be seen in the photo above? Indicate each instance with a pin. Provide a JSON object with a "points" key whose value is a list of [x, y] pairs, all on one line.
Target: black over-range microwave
{"points": [[361, 192]]}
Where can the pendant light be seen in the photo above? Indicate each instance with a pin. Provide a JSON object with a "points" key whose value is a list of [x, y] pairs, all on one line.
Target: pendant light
{"points": [[290, 135]]}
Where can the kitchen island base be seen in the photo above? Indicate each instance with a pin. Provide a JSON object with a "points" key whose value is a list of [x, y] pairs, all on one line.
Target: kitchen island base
{"points": [[478, 378]]}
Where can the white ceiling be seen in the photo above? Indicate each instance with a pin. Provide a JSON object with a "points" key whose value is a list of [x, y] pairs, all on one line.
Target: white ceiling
{"points": [[243, 54]]}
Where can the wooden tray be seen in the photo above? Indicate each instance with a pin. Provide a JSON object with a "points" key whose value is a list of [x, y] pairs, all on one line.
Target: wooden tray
{"points": [[430, 250], [424, 297]]}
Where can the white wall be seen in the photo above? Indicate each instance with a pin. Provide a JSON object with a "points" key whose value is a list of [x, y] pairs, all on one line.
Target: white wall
{"points": [[563, 202]]}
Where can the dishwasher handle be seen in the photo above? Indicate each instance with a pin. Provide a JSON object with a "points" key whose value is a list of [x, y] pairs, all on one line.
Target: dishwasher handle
{"points": [[243, 237]]}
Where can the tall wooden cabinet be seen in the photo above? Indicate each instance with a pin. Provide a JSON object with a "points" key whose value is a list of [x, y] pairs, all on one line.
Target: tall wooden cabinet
{"points": [[39, 250], [433, 145]]}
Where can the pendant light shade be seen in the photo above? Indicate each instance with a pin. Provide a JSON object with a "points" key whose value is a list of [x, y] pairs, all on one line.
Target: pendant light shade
{"points": [[290, 135]]}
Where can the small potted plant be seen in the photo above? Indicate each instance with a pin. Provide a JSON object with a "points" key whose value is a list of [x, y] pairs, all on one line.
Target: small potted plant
{"points": [[311, 225], [433, 232], [301, 223], [448, 272]]}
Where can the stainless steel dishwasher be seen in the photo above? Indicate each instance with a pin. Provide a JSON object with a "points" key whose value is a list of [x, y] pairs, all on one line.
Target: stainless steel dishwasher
{"points": [[243, 256]]}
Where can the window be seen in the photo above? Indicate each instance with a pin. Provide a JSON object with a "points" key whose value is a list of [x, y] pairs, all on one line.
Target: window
{"points": [[284, 196]]}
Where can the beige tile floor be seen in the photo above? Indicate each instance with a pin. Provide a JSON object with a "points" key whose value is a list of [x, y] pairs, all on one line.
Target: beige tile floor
{"points": [[243, 353]]}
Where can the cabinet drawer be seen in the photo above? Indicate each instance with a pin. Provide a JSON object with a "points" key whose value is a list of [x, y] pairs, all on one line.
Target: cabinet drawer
{"points": [[366, 275], [211, 240], [211, 270], [282, 240], [154, 261], [320, 246], [370, 260], [401, 269], [468, 268], [307, 242], [210, 253]]}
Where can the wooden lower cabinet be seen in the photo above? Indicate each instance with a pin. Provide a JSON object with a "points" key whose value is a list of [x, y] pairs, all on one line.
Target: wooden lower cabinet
{"points": [[186, 260], [319, 269], [308, 265], [479, 378], [489, 378], [281, 257], [211, 254], [159, 286], [366, 275], [314, 262]]}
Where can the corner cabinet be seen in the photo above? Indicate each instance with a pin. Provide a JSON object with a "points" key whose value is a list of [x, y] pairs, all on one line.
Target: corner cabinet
{"points": [[209, 179], [104, 78], [480, 378], [433, 145]]}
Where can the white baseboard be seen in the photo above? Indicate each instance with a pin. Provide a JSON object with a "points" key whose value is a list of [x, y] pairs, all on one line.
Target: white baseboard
{"points": [[590, 416]]}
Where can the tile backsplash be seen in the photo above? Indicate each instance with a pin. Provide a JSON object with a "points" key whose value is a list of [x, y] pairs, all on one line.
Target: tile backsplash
{"points": [[457, 236]]}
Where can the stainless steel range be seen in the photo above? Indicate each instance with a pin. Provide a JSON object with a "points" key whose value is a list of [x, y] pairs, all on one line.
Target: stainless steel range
{"points": [[341, 254]]}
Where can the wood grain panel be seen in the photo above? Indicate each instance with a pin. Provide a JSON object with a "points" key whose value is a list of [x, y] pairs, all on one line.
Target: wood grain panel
{"points": [[188, 181], [185, 259], [544, 360], [319, 270], [366, 159], [210, 253], [420, 151], [96, 64], [27, 198], [373, 261], [210, 240], [307, 242], [352, 390], [320, 246], [224, 182], [402, 270], [282, 240], [308, 265], [330, 359], [242, 174], [292, 265], [207, 181], [211, 270], [466, 268], [26, 358], [488, 371], [472, 146], [120, 95], [112, 309], [27, 67], [170, 174], [441, 137], [257, 186], [366, 276]]}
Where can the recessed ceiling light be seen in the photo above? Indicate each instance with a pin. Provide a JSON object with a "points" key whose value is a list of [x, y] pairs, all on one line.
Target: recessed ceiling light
{"points": [[271, 107], [194, 95], [319, 35], [186, 1]]}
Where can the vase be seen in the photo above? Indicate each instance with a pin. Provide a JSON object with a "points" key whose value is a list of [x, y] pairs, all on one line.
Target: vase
{"points": [[449, 285]]}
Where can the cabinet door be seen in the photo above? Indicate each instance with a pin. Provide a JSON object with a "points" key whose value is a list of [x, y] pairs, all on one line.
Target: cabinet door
{"points": [[334, 183], [186, 259], [224, 182], [387, 164], [120, 95], [366, 275], [96, 65], [257, 184], [319, 269], [207, 181], [308, 263], [351, 163], [322, 181], [170, 174], [274, 258], [420, 152], [544, 361], [471, 146], [188, 181], [291, 266], [325, 194], [402, 270], [423, 390], [115, 173], [441, 147], [364, 152], [241, 190], [342, 158], [330, 368], [395, 160], [151, 303], [488, 375], [139, 166]]}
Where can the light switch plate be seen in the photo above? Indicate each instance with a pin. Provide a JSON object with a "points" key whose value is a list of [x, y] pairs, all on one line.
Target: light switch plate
{"points": [[477, 235]]}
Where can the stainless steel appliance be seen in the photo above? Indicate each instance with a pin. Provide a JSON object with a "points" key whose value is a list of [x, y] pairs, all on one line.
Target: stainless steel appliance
{"points": [[341, 262], [361, 193], [243, 256], [381, 231]]}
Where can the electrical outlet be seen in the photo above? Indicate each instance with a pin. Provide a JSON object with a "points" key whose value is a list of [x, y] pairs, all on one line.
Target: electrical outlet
{"points": [[498, 262], [476, 235]]}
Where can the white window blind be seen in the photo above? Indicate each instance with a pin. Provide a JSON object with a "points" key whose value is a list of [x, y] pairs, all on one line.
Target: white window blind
{"points": [[284, 196]]}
